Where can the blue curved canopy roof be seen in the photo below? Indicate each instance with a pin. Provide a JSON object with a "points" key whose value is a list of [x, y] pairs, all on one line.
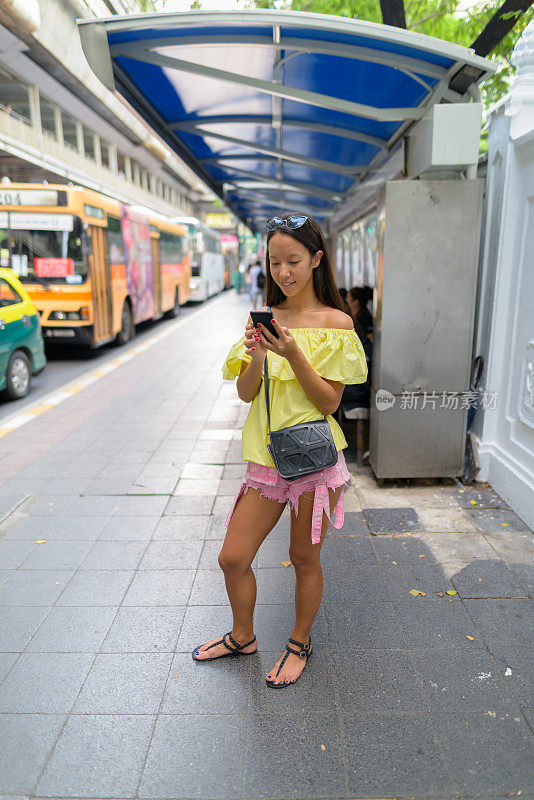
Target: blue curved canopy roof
{"points": [[279, 110]]}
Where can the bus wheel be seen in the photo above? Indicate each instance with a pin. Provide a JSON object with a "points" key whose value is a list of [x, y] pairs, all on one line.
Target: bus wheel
{"points": [[127, 330], [18, 376], [176, 309]]}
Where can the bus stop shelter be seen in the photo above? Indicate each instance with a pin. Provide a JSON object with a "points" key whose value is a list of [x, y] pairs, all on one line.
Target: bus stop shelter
{"points": [[283, 111]]}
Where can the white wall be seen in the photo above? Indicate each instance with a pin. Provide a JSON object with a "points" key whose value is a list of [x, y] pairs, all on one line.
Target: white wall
{"points": [[505, 327]]}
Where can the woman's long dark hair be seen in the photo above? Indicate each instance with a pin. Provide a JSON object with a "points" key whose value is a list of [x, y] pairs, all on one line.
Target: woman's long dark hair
{"points": [[311, 236]]}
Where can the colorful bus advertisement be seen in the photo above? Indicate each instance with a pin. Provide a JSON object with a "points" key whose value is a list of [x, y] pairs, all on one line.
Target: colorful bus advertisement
{"points": [[139, 267]]}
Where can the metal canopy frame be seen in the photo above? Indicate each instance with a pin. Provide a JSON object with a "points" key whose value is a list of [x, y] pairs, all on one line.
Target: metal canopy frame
{"points": [[337, 151]]}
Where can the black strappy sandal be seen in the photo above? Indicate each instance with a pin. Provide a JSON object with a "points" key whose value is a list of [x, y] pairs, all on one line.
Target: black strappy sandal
{"points": [[234, 651], [305, 652]]}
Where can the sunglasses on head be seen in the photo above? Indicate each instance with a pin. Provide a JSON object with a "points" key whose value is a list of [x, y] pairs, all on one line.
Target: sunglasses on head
{"points": [[292, 222]]}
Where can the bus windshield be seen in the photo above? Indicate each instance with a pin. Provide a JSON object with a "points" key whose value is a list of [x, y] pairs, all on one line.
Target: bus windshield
{"points": [[43, 247]]}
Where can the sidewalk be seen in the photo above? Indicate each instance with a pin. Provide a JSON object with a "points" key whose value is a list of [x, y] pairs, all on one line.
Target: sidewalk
{"points": [[109, 578]]}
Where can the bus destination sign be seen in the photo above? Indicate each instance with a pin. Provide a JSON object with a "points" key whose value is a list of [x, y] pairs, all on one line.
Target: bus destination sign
{"points": [[28, 197]]}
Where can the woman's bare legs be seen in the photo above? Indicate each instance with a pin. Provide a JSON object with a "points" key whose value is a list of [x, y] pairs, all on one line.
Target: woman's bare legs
{"points": [[253, 519], [306, 559]]}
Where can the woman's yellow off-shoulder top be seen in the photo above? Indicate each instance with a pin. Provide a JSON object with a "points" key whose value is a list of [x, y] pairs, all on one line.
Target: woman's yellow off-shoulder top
{"points": [[334, 353]]}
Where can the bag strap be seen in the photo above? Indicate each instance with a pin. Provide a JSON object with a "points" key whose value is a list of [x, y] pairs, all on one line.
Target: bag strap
{"points": [[266, 387]]}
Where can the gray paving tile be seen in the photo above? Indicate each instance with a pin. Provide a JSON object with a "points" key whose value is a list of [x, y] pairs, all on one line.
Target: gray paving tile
{"points": [[5, 575], [92, 505], [496, 520], [209, 749], [71, 629], [138, 629], [125, 555], [339, 581], [402, 549], [190, 505], [348, 549], [220, 686], [129, 528], [487, 753], [487, 578], [182, 554], [112, 486], [429, 578], [79, 769], [160, 588], [302, 767], [512, 547], [503, 621], [33, 527], [124, 683], [273, 625], [140, 506], [44, 682], [75, 528], [361, 623], [201, 623], [96, 588], [376, 681], [26, 741], [57, 555], [445, 624], [216, 528], [524, 574], [14, 553], [67, 486], [6, 662], [34, 587], [210, 554], [275, 585], [53, 505], [312, 693], [392, 520], [354, 523], [17, 626], [273, 550], [477, 496], [466, 680], [152, 486], [182, 527], [209, 588], [393, 754]]}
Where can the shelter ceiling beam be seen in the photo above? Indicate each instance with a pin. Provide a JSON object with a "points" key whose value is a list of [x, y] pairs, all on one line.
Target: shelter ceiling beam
{"points": [[316, 127], [280, 90], [355, 52]]}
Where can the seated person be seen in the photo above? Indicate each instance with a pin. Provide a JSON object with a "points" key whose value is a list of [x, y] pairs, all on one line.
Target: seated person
{"points": [[357, 299], [358, 395]]}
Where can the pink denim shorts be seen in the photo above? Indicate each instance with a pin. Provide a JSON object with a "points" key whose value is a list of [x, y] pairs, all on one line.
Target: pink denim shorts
{"points": [[274, 487]]}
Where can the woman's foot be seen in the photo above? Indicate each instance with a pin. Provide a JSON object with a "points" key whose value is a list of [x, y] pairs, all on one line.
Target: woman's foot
{"points": [[222, 650], [293, 665]]}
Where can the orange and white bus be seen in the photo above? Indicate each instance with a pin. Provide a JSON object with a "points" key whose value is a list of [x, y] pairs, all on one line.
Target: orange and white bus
{"points": [[94, 267]]}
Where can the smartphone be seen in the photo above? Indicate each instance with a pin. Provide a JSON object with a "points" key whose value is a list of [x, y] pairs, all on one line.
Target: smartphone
{"points": [[265, 319]]}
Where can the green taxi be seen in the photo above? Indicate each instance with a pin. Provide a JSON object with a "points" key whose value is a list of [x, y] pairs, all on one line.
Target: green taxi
{"points": [[21, 343]]}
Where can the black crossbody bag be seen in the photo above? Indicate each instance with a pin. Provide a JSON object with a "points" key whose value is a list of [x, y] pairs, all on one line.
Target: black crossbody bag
{"points": [[301, 449]]}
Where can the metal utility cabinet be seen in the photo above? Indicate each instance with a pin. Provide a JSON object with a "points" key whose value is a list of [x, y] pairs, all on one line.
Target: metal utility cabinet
{"points": [[428, 242]]}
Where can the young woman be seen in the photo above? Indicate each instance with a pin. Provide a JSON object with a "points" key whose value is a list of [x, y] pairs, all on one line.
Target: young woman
{"points": [[316, 354]]}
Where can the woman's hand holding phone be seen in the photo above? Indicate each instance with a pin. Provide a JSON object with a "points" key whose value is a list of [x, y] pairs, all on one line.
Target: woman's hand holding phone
{"points": [[253, 344]]}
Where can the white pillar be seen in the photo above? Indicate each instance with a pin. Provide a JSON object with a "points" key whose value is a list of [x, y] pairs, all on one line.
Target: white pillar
{"points": [[506, 437]]}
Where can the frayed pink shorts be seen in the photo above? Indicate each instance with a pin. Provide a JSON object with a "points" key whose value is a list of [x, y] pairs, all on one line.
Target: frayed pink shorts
{"points": [[274, 487]]}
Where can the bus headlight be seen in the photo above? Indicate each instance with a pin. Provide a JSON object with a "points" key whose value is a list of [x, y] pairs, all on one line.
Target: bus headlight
{"points": [[63, 316], [193, 284]]}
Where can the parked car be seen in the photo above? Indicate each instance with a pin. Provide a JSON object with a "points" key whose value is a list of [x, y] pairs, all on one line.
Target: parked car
{"points": [[21, 343]]}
